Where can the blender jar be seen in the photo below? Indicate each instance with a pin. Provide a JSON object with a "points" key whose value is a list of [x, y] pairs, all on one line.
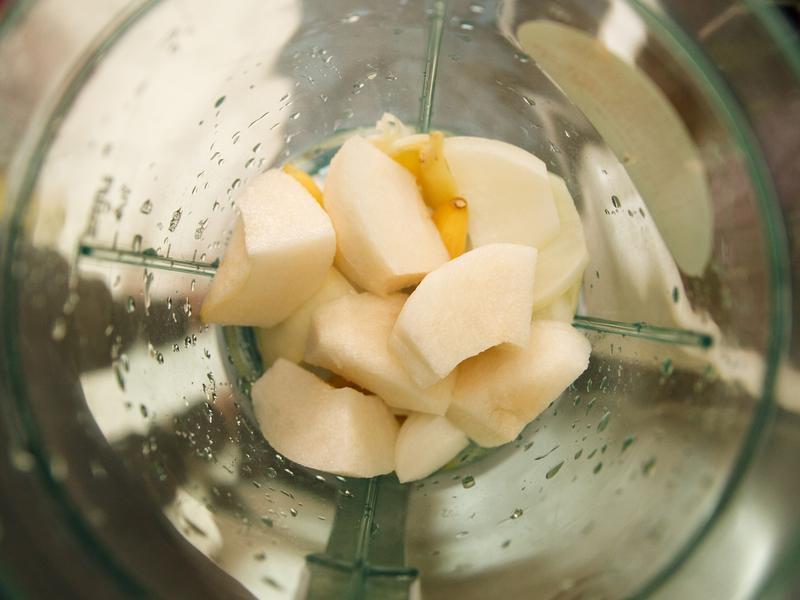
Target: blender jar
{"points": [[131, 464]]}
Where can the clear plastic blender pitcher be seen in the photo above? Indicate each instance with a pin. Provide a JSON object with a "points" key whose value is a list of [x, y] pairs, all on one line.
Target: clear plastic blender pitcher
{"points": [[131, 464]]}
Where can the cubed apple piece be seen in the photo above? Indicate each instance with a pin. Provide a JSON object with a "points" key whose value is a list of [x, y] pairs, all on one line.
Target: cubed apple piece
{"points": [[350, 337], [386, 240], [282, 247], [305, 180], [562, 261], [562, 308], [425, 444], [508, 191], [339, 431], [502, 390], [480, 299], [288, 338]]}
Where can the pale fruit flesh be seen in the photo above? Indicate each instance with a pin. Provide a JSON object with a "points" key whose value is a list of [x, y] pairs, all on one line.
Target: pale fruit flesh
{"points": [[389, 129], [288, 339], [508, 191], [278, 257], [561, 262], [305, 180], [563, 308], [480, 299], [340, 431], [350, 336], [425, 444], [502, 390], [386, 240]]}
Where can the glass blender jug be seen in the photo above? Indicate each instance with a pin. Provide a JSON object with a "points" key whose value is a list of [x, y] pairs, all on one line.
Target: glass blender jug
{"points": [[131, 462]]}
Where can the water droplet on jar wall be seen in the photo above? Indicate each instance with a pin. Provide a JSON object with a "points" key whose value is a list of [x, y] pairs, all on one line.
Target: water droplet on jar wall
{"points": [[22, 460], [59, 329], [175, 220], [667, 367], [554, 470], [601, 426]]}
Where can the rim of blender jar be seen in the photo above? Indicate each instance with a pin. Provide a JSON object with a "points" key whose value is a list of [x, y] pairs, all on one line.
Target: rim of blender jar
{"points": [[37, 141]]}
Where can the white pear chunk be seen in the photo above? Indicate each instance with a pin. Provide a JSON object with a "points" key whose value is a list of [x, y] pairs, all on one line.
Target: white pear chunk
{"points": [[562, 308], [480, 299], [288, 338], [350, 336], [386, 240], [425, 444], [503, 389], [278, 257], [562, 261], [340, 431], [509, 194]]}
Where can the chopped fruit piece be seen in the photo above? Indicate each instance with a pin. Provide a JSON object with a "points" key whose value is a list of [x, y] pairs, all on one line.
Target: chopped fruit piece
{"points": [[435, 178], [476, 350], [389, 129], [406, 152], [305, 180], [425, 444], [411, 142], [386, 238], [340, 431], [503, 389], [476, 301], [288, 338], [508, 191], [349, 336], [562, 308], [278, 257], [563, 260], [408, 158], [452, 221]]}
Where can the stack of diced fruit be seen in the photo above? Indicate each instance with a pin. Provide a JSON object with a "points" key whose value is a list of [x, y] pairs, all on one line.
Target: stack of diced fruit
{"points": [[430, 289]]}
